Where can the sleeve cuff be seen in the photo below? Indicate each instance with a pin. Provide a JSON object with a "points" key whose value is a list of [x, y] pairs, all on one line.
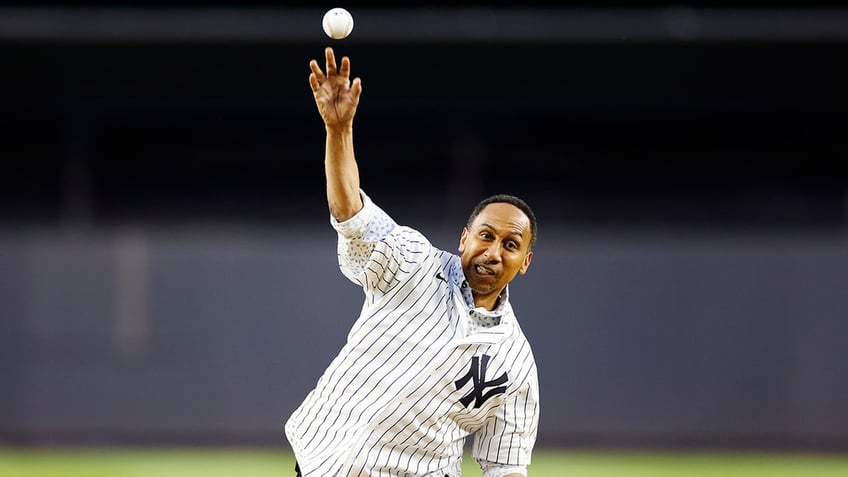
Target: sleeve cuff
{"points": [[357, 225], [492, 469]]}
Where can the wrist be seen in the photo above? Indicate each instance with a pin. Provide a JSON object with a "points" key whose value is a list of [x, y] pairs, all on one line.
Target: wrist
{"points": [[339, 129]]}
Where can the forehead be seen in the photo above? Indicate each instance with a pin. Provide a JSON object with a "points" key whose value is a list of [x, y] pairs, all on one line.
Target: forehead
{"points": [[501, 215]]}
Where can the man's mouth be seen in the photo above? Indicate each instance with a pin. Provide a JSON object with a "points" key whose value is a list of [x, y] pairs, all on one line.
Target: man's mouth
{"points": [[481, 270]]}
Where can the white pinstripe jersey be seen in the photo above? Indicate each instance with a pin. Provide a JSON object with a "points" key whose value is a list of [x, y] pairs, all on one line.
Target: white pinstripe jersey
{"points": [[413, 380]]}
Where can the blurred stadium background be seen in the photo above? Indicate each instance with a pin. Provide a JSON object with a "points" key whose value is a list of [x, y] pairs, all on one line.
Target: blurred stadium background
{"points": [[167, 273]]}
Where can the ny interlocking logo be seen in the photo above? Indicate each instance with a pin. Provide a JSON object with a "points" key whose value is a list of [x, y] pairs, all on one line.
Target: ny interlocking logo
{"points": [[477, 375]]}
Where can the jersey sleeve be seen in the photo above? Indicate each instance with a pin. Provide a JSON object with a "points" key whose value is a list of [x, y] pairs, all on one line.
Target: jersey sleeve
{"points": [[508, 438], [373, 250]]}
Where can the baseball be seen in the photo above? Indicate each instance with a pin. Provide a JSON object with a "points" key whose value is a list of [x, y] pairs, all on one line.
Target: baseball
{"points": [[338, 23]]}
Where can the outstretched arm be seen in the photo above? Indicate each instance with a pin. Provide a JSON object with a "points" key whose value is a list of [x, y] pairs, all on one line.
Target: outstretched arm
{"points": [[337, 98]]}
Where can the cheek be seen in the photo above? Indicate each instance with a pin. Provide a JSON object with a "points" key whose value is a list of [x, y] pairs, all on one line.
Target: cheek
{"points": [[517, 264], [468, 246]]}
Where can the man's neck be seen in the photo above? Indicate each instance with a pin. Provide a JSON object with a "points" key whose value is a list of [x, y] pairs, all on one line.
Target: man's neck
{"points": [[488, 302]]}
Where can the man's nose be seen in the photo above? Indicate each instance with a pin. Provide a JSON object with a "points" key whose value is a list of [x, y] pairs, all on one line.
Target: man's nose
{"points": [[493, 253]]}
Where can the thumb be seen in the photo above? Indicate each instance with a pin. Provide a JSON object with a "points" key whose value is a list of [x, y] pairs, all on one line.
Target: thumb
{"points": [[356, 89]]}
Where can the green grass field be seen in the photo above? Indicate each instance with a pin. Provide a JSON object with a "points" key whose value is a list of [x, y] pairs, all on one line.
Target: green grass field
{"points": [[256, 463]]}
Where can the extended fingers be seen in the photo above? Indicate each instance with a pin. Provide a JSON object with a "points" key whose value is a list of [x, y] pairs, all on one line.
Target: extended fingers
{"points": [[316, 70], [331, 61], [345, 68], [317, 77]]}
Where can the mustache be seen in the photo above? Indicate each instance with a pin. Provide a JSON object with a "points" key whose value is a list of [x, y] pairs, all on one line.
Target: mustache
{"points": [[486, 265], [486, 262]]}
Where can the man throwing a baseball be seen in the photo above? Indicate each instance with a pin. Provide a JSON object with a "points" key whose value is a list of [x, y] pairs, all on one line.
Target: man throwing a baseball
{"points": [[436, 354]]}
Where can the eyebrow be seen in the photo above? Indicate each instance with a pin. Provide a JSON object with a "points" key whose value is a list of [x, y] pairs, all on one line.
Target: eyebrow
{"points": [[516, 232]]}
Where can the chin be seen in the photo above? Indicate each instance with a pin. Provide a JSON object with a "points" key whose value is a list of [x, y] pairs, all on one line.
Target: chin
{"points": [[483, 290]]}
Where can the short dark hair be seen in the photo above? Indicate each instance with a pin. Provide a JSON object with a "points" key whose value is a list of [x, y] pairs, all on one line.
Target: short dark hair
{"points": [[507, 199]]}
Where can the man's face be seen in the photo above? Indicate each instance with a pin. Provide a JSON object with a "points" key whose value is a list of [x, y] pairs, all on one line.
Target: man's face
{"points": [[494, 249]]}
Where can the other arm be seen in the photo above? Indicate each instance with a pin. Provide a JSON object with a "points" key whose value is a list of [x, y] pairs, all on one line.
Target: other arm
{"points": [[503, 446]]}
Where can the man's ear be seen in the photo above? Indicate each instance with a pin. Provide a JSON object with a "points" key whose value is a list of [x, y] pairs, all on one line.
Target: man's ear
{"points": [[527, 259], [462, 239]]}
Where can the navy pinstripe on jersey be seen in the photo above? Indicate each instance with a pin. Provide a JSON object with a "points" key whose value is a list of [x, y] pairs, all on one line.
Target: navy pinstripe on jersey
{"points": [[391, 403]]}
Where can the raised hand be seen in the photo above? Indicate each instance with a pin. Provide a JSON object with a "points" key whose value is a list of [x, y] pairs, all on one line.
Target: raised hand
{"points": [[335, 94]]}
